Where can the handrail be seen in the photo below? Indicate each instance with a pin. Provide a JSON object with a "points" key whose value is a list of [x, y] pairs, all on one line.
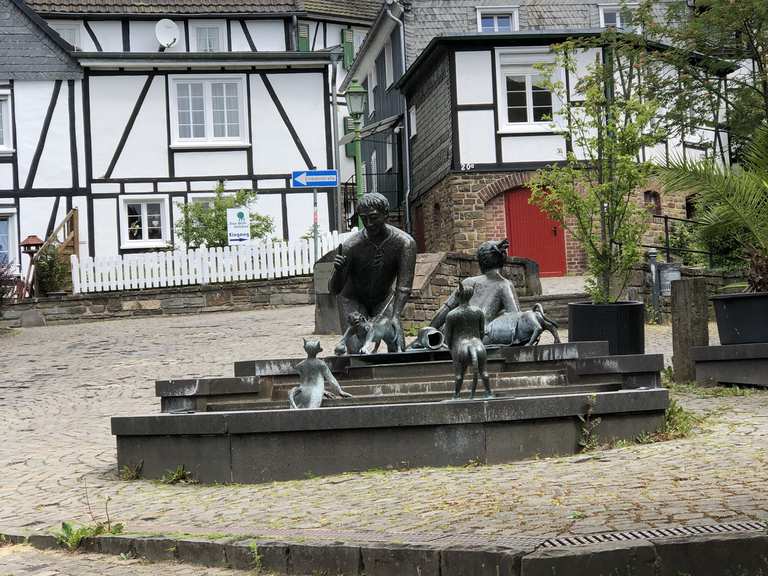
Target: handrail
{"points": [[70, 225]]}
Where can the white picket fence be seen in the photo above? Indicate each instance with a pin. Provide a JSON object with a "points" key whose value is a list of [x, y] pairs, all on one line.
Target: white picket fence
{"points": [[260, 259]]}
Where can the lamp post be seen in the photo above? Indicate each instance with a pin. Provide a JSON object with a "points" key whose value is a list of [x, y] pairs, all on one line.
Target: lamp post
{"points": [[357, 98]]}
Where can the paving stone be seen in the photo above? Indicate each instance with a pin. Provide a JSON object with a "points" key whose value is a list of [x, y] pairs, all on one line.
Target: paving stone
{"points": [[634, 558]]}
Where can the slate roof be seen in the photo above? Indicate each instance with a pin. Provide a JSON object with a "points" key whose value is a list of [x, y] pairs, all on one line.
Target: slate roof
{"points": [[165, 6], [365, 10], [359, 10], [29, 49]]}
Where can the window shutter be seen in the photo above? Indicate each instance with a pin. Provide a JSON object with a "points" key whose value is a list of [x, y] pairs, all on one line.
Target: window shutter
{"points": [[303, 37], [348, 44], [349, 126]]}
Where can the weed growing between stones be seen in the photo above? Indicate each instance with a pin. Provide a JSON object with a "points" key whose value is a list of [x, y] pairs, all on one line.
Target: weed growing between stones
{"points": [[178, 476], [71, 536], [589, 424], [709, 391], [131, 472]]}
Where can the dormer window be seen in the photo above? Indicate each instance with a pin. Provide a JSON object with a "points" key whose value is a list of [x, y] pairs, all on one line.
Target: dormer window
{"points": [[207, 36], [616, 17], [497, 20]]}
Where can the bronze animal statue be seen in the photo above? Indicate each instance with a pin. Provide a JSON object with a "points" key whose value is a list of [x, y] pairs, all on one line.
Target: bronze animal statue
{"points": [[382, 329], [355, 336], [516, 328], [313, 374], [464, 329]]}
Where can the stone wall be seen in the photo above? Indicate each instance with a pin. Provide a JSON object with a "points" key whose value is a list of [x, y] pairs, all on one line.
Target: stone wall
{"points": [[162, 301], [437, 275]]}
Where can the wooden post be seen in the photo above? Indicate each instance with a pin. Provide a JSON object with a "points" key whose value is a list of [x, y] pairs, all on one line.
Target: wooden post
{"points": [[689, 324]]}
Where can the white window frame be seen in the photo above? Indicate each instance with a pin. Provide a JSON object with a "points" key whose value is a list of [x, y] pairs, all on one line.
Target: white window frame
{"points": [[209, 139], [162, 199], [73, 28], [618, 8], [412, 120], [389, 153], [389, 64], [511, 11], [373, 82], [537, 54], [218, 24], [6, 146], [13, 249]]}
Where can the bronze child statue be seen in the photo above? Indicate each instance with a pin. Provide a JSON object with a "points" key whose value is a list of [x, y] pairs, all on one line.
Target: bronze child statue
{"points": [[464, 329], [313, 373]]}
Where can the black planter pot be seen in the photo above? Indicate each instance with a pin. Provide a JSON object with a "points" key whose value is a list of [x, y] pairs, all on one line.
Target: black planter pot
{"points": [[742, 318], [622, 324]]}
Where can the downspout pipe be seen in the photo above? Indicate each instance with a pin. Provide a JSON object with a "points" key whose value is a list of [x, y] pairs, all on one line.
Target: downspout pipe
{"points": [[336, 55], [406, 119]]}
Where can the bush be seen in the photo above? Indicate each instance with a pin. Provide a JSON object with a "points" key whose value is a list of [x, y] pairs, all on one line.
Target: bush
{"points": [[7, 280], [51, 270]]}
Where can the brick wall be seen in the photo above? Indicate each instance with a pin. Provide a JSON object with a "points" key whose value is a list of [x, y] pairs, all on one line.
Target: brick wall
{"points": [[164, 301]]}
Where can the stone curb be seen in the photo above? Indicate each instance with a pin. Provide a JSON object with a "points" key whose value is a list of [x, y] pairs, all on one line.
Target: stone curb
{"points": [[744, 554]]}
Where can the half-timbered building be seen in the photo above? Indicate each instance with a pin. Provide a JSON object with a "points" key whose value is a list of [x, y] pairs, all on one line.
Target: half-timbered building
{"points": [[437, 75], [97, 114]]}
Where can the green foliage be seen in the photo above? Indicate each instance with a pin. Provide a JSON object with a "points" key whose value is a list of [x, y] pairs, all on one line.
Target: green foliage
{"points": [[591, 193], [589, 424], [51, 270], [7, 279], [204, 224], [71, 536], [178, 476], [732, 201], [708, 391], [131, 472]]}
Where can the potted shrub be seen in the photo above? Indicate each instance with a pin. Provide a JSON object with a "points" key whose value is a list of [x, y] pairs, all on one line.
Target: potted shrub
{"points": [[592, 193], [733, 202]]}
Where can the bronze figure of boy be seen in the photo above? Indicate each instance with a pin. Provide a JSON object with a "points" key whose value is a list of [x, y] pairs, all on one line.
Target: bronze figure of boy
{"points": [[370, 262]]}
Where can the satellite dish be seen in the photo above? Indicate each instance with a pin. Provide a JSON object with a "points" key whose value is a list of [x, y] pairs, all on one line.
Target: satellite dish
{"points": [[166, 32]]}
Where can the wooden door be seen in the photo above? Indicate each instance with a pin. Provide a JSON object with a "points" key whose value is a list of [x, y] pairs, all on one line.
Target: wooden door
{"points": [[532, 234]]}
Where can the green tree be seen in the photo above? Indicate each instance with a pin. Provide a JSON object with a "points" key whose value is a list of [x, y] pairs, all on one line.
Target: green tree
{"points": [[205, 224], [591, 193]]}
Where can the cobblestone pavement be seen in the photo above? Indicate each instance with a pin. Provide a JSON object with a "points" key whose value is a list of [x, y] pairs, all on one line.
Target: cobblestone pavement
{"points": [[27, 561], [59, 386]]}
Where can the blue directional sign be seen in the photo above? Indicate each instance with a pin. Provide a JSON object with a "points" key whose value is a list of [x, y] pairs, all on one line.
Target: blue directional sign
{"points": [[314, 179]]}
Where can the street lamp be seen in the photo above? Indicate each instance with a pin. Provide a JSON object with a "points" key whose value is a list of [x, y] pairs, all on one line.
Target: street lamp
{"points": [[357, 98]]}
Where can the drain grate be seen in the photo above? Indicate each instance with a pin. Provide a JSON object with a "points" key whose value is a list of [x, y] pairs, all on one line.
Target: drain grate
{"points": [[730, 528]]}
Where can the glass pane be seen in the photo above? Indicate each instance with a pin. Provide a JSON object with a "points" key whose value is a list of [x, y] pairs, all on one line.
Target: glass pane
{"points": [[5, 255], [542, 99], [517, 115], [184, 130], [542, 113], [219, 131], [196, 89], [487, 24], [198, 118], [134, 221], [218, 116], [504, 23], [154, 221], [610, 17], [234, 130], [516, 83], [198, 131], [538, 83], [2, 122], [217, 90], [516, 99]]}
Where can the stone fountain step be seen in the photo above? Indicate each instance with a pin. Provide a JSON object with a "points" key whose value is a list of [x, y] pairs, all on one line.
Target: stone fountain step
{"points": [[229, 405]]}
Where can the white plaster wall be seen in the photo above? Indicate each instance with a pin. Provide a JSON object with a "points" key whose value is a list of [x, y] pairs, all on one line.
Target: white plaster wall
{"points": [[112, 101], [105, 228], [6, 177], [583, 59], [35, 214], [55, 167], [142, 35], [477, 137], [32, 100], [274, 151], [239, 41], [80, 132], [171, 187], [267, 35], [109, 34], [474, 78], [146, 151], [271, 205], [300, 214], [656, 154], [271, 183], [238, 185], [533, 148], [81, 203], [105, 188], [138, 187], [211, 163]]}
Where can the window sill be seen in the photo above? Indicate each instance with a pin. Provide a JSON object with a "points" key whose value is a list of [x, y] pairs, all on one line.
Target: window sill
{"points": [[209, 145], [7, 151], [142, 244], [528, 129]]}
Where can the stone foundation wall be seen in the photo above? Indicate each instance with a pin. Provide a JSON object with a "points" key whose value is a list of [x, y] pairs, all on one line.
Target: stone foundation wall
{"points": [[162, 301]]}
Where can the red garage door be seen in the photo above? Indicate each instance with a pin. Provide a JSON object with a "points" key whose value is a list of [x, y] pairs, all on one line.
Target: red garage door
{"points": [[532, 234]]}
